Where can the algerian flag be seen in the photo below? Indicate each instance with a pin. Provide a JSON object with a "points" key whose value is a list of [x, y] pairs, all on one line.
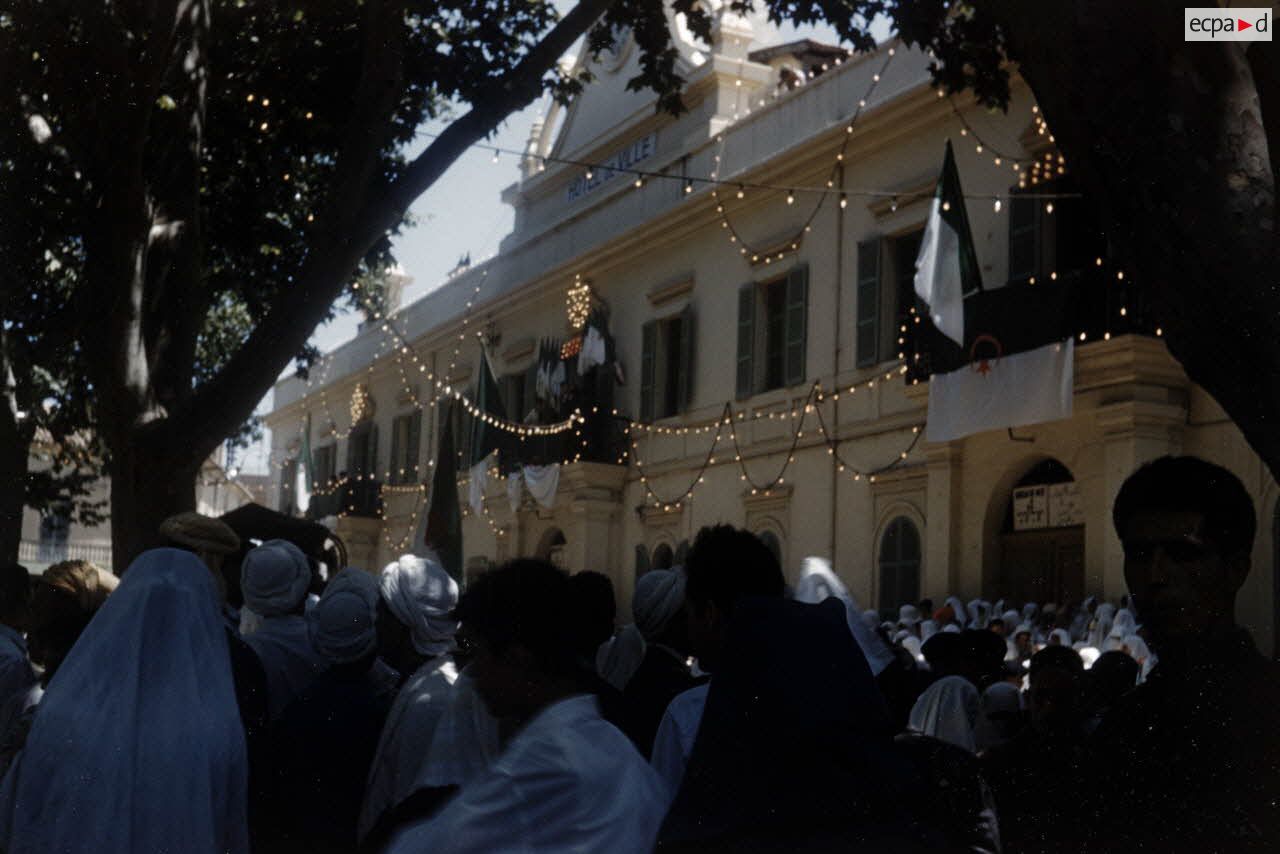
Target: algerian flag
{"points": [[999, 358], [485, 438], [947, 267], [303, 481]]}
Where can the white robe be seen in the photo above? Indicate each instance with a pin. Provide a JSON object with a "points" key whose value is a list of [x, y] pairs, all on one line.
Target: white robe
{"points": [[466, 742], [406, 738], [568, 781], [137, 744], [677, 731], [288, 658]]}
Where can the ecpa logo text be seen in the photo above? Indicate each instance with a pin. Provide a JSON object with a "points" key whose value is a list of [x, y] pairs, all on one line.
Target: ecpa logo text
{"points": [[1230, 24]]}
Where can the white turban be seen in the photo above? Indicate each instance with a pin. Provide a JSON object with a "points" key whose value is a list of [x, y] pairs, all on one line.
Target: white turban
{"points": [[908, 615], [422, 595], [342, 624], [618, 658], [659, 596], [274, 578], [928, 629]]}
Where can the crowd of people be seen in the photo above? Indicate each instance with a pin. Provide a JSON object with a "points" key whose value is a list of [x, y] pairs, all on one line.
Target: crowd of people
{"points": [[732, 712]]}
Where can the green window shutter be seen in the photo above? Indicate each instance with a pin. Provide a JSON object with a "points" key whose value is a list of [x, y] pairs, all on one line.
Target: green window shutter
{"points": [[648, 359], [746, 340], [868, 314], [1025, 237], [415, 440], [797, 324], [397, 452], [685, 376]]}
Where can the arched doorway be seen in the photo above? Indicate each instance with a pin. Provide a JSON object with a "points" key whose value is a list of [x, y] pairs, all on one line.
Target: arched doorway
{"points": [[551, 547], [663, 557], [1042, 539], [899, 565]]}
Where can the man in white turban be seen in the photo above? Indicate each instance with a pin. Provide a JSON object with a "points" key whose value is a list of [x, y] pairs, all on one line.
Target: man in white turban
{"points": [[323, 745], [416, 631], [663, 670], [274, 578]]}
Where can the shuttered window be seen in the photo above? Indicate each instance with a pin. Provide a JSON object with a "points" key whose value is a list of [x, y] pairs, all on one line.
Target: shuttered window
{"points": [[362, 451], [796, 324], [746, 340], [773, 325], [666, 366], [406, 432]]}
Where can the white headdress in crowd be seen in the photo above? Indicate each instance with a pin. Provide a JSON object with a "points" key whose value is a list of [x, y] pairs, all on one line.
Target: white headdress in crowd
{"points": [[342, 626], [422, 596], [817, 583], [274, 578]]}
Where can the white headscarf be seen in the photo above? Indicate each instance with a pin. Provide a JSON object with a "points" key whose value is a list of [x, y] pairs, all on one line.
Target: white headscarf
{"points": [[979, 613], [1123, 625], [1100, 627], [618, 658], [422, 596], [342, 624], [1029, 611], [659, 596], [871, 619], [274, 578], [957, 607], [817, 583], [138, 744], [1011, 620], [908, 615], [928, 629], [948, 710], [1063, 636]]}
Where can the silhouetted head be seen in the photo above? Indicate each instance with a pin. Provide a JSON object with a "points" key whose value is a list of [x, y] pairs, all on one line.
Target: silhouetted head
{"points": [[1187, 527], [724, 564]]}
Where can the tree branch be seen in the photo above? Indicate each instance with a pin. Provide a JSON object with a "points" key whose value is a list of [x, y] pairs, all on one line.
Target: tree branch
{"points": [[219, 407]]}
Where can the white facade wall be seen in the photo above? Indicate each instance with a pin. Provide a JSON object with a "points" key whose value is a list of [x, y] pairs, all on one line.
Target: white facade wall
{"points": [[1132, 401]]}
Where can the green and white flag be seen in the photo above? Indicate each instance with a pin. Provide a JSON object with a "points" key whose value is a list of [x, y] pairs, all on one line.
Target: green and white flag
{"points": [[947, 267], [303, 481], [1000, 358], [485, 438]]}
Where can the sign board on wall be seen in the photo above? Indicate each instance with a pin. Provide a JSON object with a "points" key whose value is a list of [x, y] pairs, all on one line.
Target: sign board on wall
{"points": [[618, 164], [1056, 506], [1030, 507]]}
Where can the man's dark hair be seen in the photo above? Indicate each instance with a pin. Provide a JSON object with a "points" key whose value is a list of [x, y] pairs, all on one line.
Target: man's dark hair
{"points": [[523, 602], [591, 609], [1113, 675], [1190, 484], [1057, 658], [727, 563]]}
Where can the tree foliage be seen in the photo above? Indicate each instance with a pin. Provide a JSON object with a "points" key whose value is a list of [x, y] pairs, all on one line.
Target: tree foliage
{"points": [[204, 181]]}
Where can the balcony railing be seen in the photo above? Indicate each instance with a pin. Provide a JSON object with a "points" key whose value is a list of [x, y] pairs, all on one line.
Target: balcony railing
{"points": [[33, 553]]}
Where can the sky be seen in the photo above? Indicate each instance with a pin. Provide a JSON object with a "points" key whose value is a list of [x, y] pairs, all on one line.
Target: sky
{"points": [[463, 213]]}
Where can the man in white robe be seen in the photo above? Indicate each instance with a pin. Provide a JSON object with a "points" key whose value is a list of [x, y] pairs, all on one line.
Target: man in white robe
{"points": [[275, 577], [417, 627], [568, 780]]}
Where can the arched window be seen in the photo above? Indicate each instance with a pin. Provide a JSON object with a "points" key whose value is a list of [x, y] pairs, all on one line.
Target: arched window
{"points": [[770, 540], [899, 565], [663, 557]]}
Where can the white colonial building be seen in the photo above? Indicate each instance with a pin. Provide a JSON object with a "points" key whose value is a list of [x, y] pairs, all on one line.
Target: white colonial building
{"points": [[750, 297]]}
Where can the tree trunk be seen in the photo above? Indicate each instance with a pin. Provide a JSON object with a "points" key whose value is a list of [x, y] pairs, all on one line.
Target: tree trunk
{"points": [[1168, 140], [14, 459], [147, 487]]}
